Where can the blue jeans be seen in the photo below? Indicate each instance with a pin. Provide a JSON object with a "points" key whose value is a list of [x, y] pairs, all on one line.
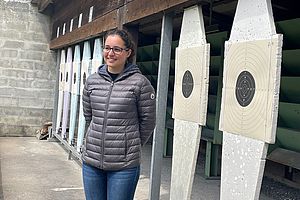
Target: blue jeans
{"points": [[109, 185]]}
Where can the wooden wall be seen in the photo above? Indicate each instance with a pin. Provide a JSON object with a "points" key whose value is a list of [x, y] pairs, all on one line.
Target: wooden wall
{"points": [[106, 15]]}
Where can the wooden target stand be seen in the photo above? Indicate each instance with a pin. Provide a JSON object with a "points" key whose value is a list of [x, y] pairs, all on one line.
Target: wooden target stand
{"points": [[190, 101], [250, 98], [85, 71], [61, 90], [74, 93], [67, 92], [97, 55]]}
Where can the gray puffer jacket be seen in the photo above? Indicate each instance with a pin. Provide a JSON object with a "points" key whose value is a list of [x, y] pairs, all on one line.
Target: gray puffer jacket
{"points": [[121, 114]]}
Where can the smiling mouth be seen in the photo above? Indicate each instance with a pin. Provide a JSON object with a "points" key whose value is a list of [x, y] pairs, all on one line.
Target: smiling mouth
{"points": [[111, 58]]}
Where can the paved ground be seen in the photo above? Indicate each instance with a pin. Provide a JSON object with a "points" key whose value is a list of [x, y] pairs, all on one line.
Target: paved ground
{"points": [[31, 169]]}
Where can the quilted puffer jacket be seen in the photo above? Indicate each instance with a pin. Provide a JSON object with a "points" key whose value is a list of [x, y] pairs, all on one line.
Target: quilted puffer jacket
{"points": [[121, 114]]}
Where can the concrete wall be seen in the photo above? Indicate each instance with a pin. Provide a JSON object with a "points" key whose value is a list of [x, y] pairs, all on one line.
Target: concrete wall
{"points": [[27, 69]]}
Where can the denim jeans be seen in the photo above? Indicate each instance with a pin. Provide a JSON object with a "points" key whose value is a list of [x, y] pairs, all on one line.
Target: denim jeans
{"points": [[109, 185]]}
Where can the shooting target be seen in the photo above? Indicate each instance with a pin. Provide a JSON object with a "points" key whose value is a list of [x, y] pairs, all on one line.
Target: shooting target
{"points": [[84, 74], [76, 74], [245, 88], [61, 76], [187, 84], [191, 84], [251, 88], [68, 70]]}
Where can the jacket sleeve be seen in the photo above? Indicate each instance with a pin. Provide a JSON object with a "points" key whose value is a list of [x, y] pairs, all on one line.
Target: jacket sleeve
{"points": [[147, 111], [86, 103]]}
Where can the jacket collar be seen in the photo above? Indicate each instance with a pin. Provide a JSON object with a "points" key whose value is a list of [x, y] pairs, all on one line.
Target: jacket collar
{"points": [[129, 69]]}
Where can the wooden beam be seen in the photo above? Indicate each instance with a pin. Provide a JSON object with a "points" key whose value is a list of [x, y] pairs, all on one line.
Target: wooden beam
{"points": [[129, 12], [64, 12], [87, 31], [142, 8], [46, 7]]}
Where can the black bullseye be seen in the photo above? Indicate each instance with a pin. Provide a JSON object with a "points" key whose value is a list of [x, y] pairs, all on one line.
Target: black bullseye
{"points": [[245, 88], [187, 84]]}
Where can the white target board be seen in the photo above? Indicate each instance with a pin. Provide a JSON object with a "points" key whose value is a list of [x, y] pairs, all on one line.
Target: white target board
{"points": [[251, 88], [190, 101], [250, 96], [191, 84], [61, 88], [61, 76], [97, 55], [75, 88]]}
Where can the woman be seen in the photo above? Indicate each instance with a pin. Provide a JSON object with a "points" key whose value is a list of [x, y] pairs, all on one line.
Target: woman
{"points": [[119, 105]]}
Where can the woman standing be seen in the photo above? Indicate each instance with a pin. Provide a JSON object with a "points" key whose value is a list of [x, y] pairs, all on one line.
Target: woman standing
{"points": [[119, 106]]}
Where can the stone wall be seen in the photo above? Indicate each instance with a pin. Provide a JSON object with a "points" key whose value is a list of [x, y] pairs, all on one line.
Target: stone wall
{"points": [[27, 69]]}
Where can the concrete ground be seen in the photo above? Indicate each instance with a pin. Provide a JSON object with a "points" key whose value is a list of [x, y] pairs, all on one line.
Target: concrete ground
{"points": [[32, 169]]}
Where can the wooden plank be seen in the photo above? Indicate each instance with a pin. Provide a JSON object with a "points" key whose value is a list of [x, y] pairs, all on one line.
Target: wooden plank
{"points": [[288, 138], [62, 15], [65, 11], [142, 8], [285, 157], [87, 31], [290, 30], [46, 7], [289, 89], [289, 115], [212, 102], [216, 41], [291, 62], [128, 13]]}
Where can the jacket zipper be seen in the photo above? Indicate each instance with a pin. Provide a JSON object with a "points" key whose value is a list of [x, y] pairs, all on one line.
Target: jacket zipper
{"points": [[125, 144], [105, 121]]}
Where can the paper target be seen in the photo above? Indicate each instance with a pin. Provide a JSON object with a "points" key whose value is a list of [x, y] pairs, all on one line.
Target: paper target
{"points": [[68, 77], [245, 88], [191, 84], [76, 77], [187, 84], [84, 74], [251, 88], [61, 76]]}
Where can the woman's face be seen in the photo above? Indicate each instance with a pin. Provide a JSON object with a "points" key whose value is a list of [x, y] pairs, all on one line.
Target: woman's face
{"points": [[115, 53]]}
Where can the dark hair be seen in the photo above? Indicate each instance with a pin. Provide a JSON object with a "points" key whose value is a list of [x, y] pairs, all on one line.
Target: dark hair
{"points": [[126, 37]]}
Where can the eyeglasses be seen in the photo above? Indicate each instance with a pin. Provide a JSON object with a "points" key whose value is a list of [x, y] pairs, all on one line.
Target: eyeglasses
{"points": [[116, 50]]}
